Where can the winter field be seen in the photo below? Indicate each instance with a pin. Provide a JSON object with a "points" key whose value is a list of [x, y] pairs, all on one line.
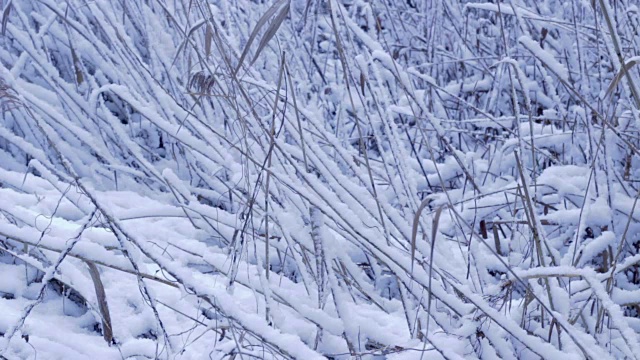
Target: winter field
{"points": [[319, 179]]}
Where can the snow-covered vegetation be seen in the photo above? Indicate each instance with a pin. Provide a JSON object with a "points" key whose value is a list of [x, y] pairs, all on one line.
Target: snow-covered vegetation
{"points": [[371, 179]]}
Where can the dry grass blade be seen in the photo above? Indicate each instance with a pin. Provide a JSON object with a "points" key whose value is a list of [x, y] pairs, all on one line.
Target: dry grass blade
{"points": [[616, 80], [208, 36], [271, 31], [263, 20], [186, 39], [299, 123], [101, 295], [306, 12], [414, 229], [5, 16], [434, 232], [77, 66]]}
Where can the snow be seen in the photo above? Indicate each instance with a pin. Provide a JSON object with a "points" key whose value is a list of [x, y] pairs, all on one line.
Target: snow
{"points": [[545, 57], [124, 146]]}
